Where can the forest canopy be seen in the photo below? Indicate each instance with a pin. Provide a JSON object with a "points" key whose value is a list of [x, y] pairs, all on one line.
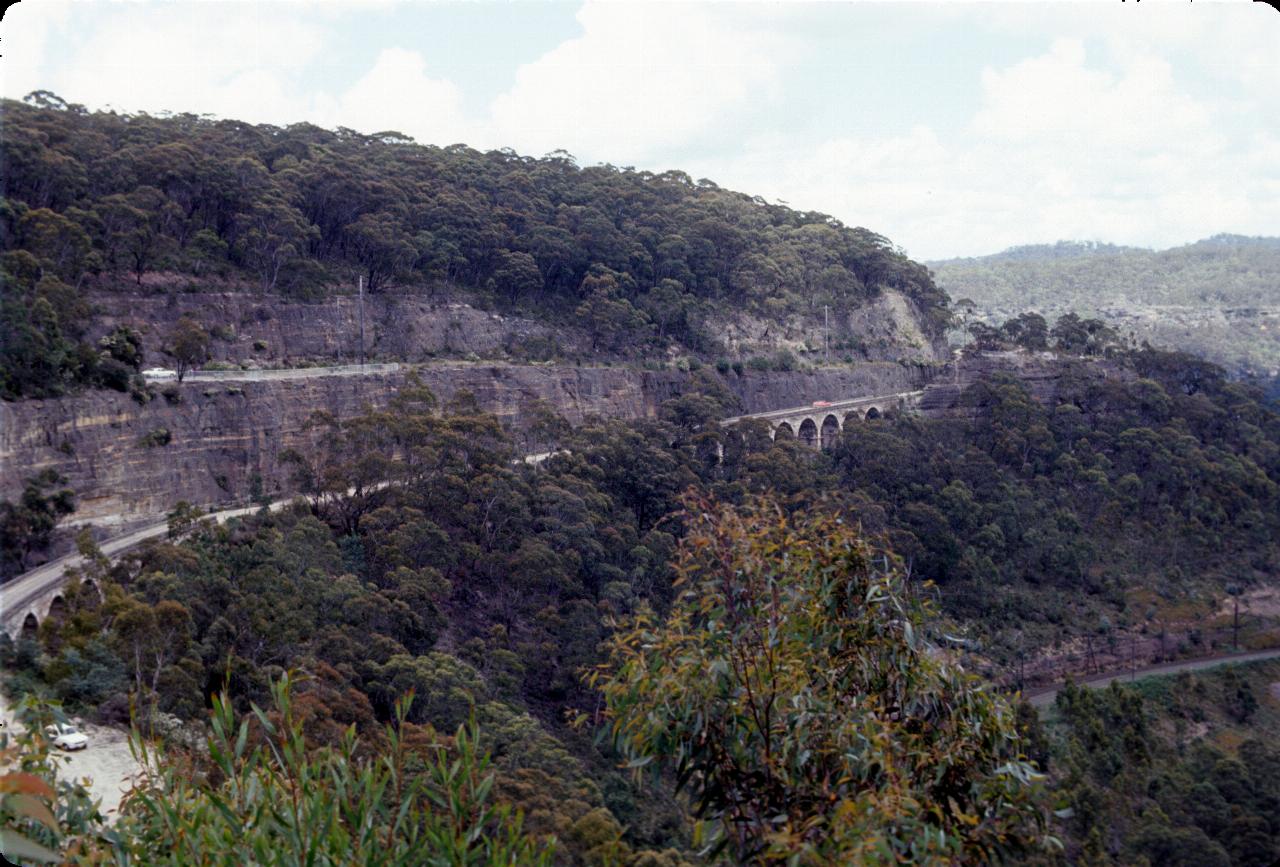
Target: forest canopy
{"points": [[299, 210]]}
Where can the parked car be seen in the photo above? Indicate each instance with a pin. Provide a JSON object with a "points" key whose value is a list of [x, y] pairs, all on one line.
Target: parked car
{"points": [[160, 373], [66, 736]]}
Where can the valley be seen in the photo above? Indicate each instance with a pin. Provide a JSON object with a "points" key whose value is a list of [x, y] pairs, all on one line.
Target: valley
{"points": [[646, 520]]}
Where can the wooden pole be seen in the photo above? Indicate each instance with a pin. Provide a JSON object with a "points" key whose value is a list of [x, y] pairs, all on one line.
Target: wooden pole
{"points": [[360, 293]]}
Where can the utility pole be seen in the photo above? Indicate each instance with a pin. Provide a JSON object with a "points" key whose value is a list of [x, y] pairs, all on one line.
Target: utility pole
{"points": [[360, 293], [1234, 590]]}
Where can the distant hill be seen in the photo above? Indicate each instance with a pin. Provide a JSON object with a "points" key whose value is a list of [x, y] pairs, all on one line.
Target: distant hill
{"points": [[1219, 297]]}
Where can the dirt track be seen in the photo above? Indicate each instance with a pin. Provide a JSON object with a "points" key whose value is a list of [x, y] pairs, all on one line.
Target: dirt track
{"points": [[1044, 697]]}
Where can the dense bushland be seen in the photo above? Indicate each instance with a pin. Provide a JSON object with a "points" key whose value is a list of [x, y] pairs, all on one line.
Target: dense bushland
{"points": [[633, 258], [487, 586]]}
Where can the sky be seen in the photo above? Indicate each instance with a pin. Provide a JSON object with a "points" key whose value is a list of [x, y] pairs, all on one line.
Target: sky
{"points": [[954, 129]]}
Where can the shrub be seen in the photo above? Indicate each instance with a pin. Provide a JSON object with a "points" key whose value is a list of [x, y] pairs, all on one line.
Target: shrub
{"points": [[158, 437], [793, 694]]}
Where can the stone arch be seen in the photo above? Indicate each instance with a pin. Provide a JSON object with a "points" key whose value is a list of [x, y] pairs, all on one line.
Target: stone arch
{"points": [[830, 431], [57, 608], [852, 415], [873, 412], [785, 431], [808, 432], [30, 626], [91, 594]]}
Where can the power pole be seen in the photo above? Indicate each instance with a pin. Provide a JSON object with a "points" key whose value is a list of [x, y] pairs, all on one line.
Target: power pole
{"points": [[360, 293], [1234, 590]]}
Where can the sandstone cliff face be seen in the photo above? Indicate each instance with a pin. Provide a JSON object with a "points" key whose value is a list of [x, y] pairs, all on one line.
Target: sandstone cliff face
{"points": [[884, 329], [1042, 373], [269, 331], [220, 435]]}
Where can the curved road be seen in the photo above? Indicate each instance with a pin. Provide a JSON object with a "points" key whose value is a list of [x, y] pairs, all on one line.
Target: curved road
{"points": [[1044, 696], [17, 595]]}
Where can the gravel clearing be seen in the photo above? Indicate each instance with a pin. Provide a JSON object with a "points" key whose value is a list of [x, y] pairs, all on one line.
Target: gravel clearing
{"points": [[106, 765]]}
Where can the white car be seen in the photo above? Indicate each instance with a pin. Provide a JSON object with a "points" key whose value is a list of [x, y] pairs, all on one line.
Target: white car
{"points": [[160, 373], [67, 736]]}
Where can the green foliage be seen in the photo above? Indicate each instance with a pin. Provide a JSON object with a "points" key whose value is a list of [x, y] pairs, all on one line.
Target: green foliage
{"points": [[790, 691], [1215, 297], [640, 260], [158, 437], [1172, 774], [262, 794], [188, 344], [27, 525]]}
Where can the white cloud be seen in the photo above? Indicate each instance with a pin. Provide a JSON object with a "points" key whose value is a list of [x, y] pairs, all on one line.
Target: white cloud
{"points": [[397, 94], [233, 60], [1134, 125], [641, 79], [27, 31], [1059, 147], [1058, 100]]}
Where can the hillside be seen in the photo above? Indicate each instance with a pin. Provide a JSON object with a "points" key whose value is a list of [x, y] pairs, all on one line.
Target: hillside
{"points": [[625, 264], [1219, 297], [662, 642], [1179, 770]]}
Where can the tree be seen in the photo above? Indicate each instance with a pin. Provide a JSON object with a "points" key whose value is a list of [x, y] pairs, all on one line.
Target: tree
{"points": [[27, 526], [1028, 330], [54, 239], [517, 275], [382, 246], [272, 233], [792, 693], [188, 345], [607, 315], [132, 227], [149, 638]]}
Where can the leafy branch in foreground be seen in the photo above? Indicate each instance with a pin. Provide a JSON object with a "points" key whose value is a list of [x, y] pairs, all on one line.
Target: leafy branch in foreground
{"points": [[792, 693], [263, 795], [267, 798]]}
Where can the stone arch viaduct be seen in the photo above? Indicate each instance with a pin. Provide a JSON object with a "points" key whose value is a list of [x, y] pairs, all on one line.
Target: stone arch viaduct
{"points": [[30, 599], [820, 423]]}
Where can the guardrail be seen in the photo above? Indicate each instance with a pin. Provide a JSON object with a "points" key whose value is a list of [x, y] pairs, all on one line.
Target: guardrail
{"points": [[278, 373]]}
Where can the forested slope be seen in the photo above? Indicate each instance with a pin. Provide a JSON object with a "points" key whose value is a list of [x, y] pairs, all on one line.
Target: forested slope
{"points": [[634, 259], [1219, 297], [1125, 506]]}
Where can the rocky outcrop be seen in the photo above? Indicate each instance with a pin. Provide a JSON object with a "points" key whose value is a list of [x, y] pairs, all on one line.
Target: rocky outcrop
{"points": [[209, 443], [270, 331], [885, 328], [1042, 373]]}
